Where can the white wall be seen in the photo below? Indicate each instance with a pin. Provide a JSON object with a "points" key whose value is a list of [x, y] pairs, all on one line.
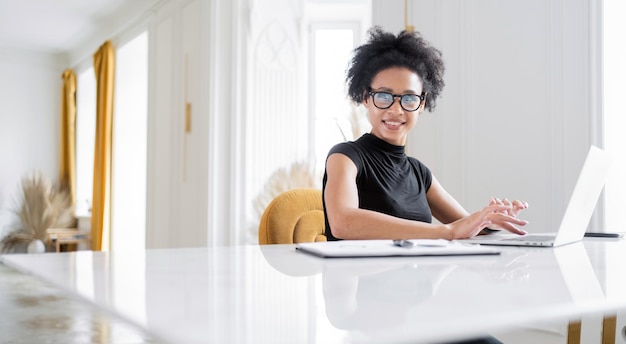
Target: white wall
{"points": [[517, 114], [178, 174], [30, 103]]}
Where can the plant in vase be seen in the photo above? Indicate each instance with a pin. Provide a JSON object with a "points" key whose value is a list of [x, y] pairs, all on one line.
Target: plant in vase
{"points": [[39, 207]]}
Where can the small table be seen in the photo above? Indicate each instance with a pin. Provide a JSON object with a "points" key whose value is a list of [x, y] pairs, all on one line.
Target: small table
{"points": [[64, 236]]}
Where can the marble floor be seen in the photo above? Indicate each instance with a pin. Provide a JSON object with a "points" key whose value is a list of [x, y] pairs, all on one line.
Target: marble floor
{"points": [[32, 311]]}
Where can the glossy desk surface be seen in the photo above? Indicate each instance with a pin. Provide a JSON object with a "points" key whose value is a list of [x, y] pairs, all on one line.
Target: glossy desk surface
{"points": [[273, 294]]}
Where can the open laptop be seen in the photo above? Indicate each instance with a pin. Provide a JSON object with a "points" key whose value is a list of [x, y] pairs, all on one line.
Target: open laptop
{"points": [[577, 215]]}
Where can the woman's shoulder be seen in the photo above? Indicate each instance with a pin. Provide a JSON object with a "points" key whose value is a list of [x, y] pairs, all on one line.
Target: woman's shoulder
{"points": [[354, 150], [347, 147]]}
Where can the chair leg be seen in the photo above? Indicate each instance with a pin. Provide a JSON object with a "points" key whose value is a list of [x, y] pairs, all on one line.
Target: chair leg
{"points": [[573, 332], [609, 324]]}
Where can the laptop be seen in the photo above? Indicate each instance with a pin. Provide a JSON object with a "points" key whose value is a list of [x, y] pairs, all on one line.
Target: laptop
{"points": [[577, 214]]}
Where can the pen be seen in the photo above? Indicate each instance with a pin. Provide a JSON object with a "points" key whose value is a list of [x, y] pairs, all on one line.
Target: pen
{"points": [[402, 243], [421, 242]]}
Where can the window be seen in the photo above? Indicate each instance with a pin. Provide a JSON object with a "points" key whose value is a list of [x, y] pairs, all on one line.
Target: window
{"points": [[85, 139], [336, 118], [129, 151], [614, 139], [128, 179], [294, 86], [614, 118]]}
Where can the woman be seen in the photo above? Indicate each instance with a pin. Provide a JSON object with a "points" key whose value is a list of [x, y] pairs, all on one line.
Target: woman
{"points": [[371, 188]]}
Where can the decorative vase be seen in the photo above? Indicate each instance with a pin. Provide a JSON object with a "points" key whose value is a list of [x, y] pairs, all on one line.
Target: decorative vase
{"points": [[36, 246]]}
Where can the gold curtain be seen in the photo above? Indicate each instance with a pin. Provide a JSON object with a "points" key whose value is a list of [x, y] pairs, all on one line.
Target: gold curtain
{"points": [[104, 66], [67, 174]]}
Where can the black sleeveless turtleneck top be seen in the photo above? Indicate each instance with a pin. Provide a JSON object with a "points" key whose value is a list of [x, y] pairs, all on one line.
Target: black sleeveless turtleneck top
{"points": [[388, 180]]}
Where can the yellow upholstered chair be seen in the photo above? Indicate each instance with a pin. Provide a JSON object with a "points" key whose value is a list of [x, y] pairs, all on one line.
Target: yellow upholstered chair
{"points": [[293, 216]]}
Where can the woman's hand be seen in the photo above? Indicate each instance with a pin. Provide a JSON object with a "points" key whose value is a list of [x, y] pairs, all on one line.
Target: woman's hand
{"points": [[472, 224], [507, 219], [515, 207]]}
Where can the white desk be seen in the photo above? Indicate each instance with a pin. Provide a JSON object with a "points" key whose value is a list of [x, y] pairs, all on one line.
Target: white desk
{"points": [[273, 294]]}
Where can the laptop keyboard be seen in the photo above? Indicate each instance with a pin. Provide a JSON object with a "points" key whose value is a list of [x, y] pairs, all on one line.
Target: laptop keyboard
{"points": [[540, 238]]}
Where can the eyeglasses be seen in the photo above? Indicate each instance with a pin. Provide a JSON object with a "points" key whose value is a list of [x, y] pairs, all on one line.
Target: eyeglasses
{"points": [[408, 102]]}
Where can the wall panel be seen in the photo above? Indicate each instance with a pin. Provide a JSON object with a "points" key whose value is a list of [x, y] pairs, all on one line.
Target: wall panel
{"points": [[511, 121]]}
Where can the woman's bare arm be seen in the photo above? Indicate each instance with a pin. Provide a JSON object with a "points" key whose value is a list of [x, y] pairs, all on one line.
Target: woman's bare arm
{"points": [[446, 209], [347, 221]]}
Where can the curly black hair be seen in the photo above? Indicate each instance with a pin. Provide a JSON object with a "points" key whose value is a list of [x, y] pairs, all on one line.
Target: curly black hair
{"points": [[385, 50]]}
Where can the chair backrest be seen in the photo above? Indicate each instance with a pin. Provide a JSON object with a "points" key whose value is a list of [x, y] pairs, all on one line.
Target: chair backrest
{"points": [[293, 216]]}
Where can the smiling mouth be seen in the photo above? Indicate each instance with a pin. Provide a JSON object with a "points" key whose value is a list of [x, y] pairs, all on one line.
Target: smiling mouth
{"points": [[393, 124]]}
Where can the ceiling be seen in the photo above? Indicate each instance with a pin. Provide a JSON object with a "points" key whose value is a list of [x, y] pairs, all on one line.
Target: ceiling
{"points": [[60, 25]]}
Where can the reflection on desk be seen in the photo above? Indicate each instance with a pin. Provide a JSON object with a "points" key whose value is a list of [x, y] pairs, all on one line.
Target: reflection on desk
{"points": [[35, 312], [397, 298], [379, 297], [253, 294]]}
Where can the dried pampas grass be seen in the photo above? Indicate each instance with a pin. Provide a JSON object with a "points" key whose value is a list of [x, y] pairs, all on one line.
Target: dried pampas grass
{"points": [[39, 207], [357, 122], [298, 175]]}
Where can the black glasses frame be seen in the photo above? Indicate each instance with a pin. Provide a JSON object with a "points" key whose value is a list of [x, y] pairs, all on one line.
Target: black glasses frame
{"points": [[421, 98]]}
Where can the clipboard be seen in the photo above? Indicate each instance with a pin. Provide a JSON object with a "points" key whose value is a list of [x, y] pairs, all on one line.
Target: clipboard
{"points": [[386, 248]]}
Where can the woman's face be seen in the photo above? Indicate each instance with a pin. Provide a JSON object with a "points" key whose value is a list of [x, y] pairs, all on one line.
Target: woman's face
{"points": [[394, 123]]}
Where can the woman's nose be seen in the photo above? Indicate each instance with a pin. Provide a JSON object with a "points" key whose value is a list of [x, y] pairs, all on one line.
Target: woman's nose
{"points": [[395, 106]]}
